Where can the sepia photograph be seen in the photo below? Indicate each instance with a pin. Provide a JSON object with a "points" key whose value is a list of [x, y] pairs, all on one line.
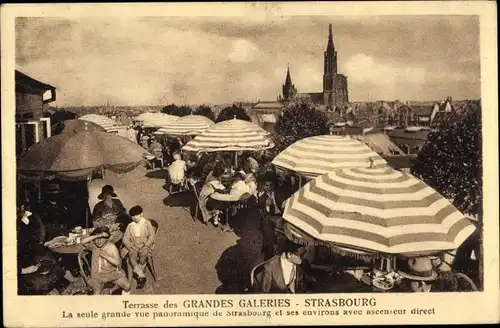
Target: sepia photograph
{"points": [[242, 156]]}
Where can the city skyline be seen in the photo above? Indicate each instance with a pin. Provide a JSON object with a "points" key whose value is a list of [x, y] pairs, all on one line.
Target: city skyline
{"points": [[160, 60]]}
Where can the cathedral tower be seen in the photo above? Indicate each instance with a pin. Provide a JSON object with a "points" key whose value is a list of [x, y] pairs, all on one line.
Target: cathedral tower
{"points": [[288, 88], [334, 84]]}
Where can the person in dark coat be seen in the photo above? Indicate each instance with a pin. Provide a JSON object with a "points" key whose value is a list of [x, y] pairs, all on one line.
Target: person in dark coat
{"points": [[285, 273], [269, 202], [53, 212], [109, 212], [38, 273]]}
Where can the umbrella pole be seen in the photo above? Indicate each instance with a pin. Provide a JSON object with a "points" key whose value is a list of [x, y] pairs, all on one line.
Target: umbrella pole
{"points": [[87, 206]]}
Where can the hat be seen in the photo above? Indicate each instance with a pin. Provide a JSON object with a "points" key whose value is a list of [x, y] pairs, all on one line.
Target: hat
{"points": [[53, 188], [100, 230], [107, 189], [420, 268], [136, 210]]}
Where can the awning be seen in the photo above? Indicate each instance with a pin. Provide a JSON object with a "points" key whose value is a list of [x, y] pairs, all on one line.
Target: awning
{"points": [[267, 118]]}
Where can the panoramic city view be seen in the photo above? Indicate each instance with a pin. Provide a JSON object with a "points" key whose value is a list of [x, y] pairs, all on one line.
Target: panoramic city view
{"points": [[225, 155]]}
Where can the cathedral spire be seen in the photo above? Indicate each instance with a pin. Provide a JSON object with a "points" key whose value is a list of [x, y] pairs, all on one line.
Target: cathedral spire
{"points": [[289, 90], [330, 47], [288, 79]]}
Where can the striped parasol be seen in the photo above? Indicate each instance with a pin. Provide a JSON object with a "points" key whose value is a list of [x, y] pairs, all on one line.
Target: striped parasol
{"points": [[378, 210], [230, 135], [101, 120], [190, 125], [156, 120], [321, 154]]}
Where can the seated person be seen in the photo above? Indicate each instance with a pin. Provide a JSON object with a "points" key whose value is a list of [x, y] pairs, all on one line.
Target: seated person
{"points": [[419, 275], [38, 273], [248, 163], [53, 212], [109, 212], [239, 186], [106, 262], [138, 240], [285, 273], [251, 181], [30, 227], [209, 188], [177, 170]]}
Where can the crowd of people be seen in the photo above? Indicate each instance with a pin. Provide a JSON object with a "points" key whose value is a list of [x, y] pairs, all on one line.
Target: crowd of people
{"points": [[117, 236], [120, 237]]}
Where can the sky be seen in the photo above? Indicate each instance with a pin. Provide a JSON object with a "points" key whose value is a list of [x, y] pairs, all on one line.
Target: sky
{"points": [[214, 60]]}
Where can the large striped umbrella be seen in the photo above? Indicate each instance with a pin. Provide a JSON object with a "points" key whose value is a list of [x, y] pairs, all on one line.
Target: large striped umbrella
{"points": [[101, 120], [190, 125], [377, 209], [321, 154], [230, 135], [156, 120]]}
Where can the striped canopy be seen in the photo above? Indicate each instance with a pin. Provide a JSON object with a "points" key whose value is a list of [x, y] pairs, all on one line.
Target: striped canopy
{"points": [[101, 120], [230, 135], [377, 209], [190, 125], [321, 154], [156, 120]]}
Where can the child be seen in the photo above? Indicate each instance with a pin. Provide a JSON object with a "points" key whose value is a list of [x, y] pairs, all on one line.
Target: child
{"points": [[106, 262], [138, 240]]}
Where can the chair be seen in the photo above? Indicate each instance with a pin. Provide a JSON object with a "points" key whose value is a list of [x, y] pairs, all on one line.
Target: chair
{"points": [[150, 261], [158, 153], [85, 272], [256, 275], [197, 189], [462, 277]]}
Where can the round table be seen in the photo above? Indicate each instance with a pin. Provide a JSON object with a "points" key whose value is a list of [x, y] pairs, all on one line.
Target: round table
{"points": [[228, 202]]}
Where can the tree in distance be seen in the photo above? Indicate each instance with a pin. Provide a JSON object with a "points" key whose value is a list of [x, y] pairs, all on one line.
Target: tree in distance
{"points": [[173, 109], [229, 113], [206, 111], [296, 122]]}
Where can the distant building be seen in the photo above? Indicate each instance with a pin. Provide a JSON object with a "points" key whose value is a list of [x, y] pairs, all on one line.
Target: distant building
{"points": [[32, 97], [335, 92], [265, 113]]}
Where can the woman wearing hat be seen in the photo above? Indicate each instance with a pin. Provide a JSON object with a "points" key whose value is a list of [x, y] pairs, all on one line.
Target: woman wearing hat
{"points": [[109, 210]]}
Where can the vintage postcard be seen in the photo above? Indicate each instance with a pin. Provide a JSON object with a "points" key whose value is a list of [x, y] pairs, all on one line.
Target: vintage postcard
{"points": [[226, 164]]}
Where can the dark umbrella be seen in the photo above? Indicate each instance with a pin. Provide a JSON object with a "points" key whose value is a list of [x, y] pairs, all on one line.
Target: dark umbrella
{"points": [[74, 156], [75, 126]]}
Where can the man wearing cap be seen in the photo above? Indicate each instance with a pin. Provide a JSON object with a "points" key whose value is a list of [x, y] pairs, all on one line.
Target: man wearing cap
{"points": [[106, 262], [138, 240], [52, 211], [108, 210]]}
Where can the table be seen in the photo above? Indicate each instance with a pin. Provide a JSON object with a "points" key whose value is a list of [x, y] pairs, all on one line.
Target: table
{"points": [[228, 202]]}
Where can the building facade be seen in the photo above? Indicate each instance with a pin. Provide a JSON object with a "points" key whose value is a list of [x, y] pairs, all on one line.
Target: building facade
{"points": [[32, 97]]}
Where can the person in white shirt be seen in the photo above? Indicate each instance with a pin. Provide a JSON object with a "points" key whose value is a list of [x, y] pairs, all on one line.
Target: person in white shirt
{"points": [[239, 186], [132, 133], [177, 170], [138, 240]]}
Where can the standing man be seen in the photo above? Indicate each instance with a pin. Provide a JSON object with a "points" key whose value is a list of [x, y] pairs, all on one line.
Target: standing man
{"points": [[285, 273], [270, 208]]}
